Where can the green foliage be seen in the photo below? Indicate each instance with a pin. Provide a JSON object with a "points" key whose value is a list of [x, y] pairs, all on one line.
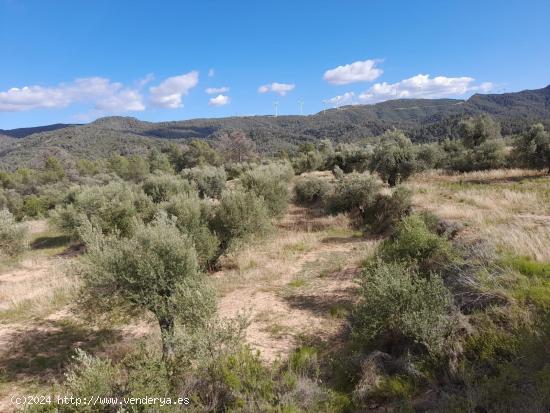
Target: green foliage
{"points": [[532, 148], [429, 156], [113, 208], [198, 153], [353, 191], [307, 162], [53, 170], [210, 180], [270, 183], [240, 216], [398, 306], [88, 375], [191, 217], [387, 211], [14, 237], [160, 187], [394, 158], [349, 158], [312, 189], [476, 131], [155, 270], [159, 162], [415, 244], [33, 206]]}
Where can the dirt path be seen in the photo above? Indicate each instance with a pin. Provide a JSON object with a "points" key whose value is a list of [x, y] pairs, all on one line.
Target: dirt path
{"points": [[308, 292]]}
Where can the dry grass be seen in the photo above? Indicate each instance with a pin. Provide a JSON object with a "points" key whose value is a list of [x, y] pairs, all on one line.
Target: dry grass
{"points": [[509, 207]]}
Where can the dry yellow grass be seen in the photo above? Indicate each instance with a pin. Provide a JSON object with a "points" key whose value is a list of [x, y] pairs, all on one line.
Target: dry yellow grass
{"points": [[509, 207]]}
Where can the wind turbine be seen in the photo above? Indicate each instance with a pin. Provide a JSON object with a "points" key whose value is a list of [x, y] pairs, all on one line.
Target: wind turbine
{"points": [[276, 104], [301, 103]]}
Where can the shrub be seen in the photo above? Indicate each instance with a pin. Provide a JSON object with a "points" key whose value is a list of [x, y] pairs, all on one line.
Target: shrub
{"points": [[349, 158], [210, 180], [88, 375], [387, 211], [532, 148], [240, 216], [394, 158], [354, 191], [160, 187], [270, 182], [191, 217], [308, 162], [399, 308], [114, 208], [13, 236], [155, 270], [415, 244], [310, 190]]}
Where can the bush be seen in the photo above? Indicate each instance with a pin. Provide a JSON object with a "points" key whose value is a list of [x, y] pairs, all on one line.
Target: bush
{"points": [[192, 215], [88, 375], [210, 180], [415, 244], [387, 211], [270, 183], [349, 158], [312, 189], [13, 236], [308, 162], [398, 308], [532, 148], [394, 158], [114, 208], [160, 187], [240, 216], [354, 191]]}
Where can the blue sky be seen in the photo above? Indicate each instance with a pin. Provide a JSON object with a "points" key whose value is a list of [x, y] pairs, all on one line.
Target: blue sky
{"points": [[74, 61]]}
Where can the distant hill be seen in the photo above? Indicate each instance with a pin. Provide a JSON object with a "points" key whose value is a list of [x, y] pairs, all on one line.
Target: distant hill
{"points": [[422, 119], [22, 132]]}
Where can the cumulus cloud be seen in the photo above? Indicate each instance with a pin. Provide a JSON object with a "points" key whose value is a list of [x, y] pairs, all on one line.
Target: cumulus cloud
{"points": [[214, 90], [104, 94], [347, 98], [280, 88], [220, 100], [169, 93], [423, 86], [361, 71]]}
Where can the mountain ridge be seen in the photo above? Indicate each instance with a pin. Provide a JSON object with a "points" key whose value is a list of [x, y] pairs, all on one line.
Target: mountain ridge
{"points": [[421, 119]]}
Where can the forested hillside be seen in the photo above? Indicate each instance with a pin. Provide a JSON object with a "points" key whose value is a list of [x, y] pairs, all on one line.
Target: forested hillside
{"points": [[423, 120]]}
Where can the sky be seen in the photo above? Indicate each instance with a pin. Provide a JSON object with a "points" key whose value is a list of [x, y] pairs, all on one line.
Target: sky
{"points": [[70, 61]]}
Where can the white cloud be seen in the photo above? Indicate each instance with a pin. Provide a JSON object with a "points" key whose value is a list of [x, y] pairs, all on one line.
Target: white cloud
{"points": [[361, 71], [220, 100], [214, 90], [104, 94], [422, 86], [211, 73], [149, 77], [169, 93], [279, 88], [345, 99]]}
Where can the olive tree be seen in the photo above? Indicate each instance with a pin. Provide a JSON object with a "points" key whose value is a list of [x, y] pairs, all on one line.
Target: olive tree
{"points": [[394, 158], [475, 131], [155, 270], [532, 148]]}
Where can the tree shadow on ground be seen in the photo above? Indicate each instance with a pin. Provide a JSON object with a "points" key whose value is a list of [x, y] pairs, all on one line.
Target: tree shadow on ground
{"points": [[333, 304], [43, 353], [42, 243]]}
